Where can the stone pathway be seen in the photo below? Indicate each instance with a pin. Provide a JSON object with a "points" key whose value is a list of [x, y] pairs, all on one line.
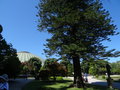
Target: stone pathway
{"points": [[17, 84], [94, 81]]}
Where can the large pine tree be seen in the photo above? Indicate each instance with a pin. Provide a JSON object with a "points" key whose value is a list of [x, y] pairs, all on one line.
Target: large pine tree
{"points": [[78, 28]]}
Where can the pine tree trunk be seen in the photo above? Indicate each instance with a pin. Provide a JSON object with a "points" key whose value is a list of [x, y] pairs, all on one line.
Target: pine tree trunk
{"points": [[78, 80]]}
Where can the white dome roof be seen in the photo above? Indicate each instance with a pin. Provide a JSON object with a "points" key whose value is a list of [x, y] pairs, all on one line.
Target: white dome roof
{"points": [[25, 56]]}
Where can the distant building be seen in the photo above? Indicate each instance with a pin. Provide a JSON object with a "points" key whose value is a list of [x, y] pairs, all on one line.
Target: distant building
{"points": [[25, 56]]}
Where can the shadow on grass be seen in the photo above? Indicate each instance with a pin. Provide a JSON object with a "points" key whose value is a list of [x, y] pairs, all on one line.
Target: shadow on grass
{"points": [[59, 85], [95, 87], [47, 85], [51, 82], [55, 85], [49, 88], [100, 83]]}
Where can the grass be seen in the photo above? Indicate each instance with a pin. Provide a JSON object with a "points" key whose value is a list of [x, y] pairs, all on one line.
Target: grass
{"points": [[47, 85], [100, 78], [58, 85]]}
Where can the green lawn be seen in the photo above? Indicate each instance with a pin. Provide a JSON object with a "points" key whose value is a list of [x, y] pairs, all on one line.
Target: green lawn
{"points": [[58, 85]]}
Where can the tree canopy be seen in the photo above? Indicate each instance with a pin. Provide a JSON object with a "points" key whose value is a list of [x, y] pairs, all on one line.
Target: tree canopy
{"points": [[34, 66], [55, 68], [115, 67], [78, 28]]}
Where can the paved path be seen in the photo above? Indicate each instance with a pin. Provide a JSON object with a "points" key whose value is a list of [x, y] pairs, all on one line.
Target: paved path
{"points": [[94, 81], [17, 84]]}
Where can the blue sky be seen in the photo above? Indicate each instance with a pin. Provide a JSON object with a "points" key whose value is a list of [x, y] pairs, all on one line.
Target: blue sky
{"points": [[18, 18]]}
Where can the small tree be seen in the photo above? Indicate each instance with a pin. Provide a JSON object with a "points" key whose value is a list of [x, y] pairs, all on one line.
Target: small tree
{"points": [[93, 70], [25, 69], [12, 67], [55, 68], [115, 67], [97, 67], [34, 65]]}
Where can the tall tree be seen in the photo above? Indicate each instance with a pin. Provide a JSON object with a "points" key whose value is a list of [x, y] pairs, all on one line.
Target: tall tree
{"points": [[1, 45], [77, 29], [8, 58]]}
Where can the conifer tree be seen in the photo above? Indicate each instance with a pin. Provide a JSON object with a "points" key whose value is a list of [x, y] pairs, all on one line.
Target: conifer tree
{"points": [[77, 29]]}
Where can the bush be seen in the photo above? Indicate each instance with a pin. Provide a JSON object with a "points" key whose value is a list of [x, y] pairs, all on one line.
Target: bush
{"points": [[96, 76], [103, 77], [59, 78]]}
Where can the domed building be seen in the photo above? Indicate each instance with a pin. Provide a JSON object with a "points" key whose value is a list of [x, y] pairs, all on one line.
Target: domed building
{"points": [[25, 56]]}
